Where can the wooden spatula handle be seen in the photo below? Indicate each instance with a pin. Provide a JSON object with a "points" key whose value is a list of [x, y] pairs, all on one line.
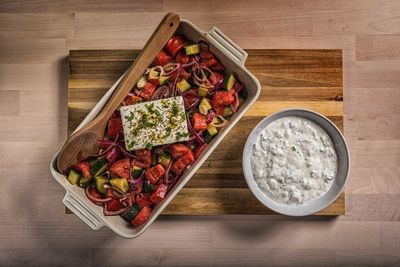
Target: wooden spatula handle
{"points": [[158, 39]]}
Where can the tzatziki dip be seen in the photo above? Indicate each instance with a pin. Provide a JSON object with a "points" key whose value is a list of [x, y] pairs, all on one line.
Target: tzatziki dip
{"points": [[294, 161]]}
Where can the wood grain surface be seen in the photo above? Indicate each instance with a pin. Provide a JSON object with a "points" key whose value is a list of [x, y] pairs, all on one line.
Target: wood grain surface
{"points": [[35, 39], [289, 78]]}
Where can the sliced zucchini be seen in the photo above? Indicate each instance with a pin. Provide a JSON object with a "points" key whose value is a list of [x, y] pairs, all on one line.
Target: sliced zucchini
{"points": [[99, 166], [204, 106], [227, 112], [120, 183], [229, 81], [183, 85], [131, 213], [192, 49], [153, 74], [164, 80], [100, 182], [141, 83], [73, 177], [202, 91], [136, 171], [147, 187], [165, 159], [212, 130], [85, 181]]}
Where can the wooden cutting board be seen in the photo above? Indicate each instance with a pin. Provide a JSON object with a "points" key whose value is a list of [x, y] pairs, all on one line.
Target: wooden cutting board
{"points": [[289, 78]]}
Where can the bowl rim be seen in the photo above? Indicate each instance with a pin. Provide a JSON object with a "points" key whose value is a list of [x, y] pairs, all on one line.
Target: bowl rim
{"points": [[264, 198]]}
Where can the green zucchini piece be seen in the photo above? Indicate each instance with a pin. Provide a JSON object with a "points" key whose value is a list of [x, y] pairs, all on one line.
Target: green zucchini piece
{"points": [[131, 213], [204, 106], [212, 130], [142, 82], [120, 183], [99, 166], [227, 112], [202, 91], [229, 81], [192, 49], [183, 85], [153, 74], [165, 159], [100, 182], [136, 171], [85, 181], [147, 187], [73, 177], [164, 80]]}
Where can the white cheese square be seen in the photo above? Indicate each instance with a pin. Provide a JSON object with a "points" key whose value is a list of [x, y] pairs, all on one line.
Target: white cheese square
{"points": [[154, 123]]}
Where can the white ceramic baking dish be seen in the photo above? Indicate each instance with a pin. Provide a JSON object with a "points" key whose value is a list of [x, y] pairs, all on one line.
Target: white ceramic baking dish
{"points": [[233, 58]]}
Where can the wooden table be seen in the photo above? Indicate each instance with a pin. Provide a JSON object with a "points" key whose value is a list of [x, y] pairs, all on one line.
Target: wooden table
{"points": [[36, 37], [289, 78]]}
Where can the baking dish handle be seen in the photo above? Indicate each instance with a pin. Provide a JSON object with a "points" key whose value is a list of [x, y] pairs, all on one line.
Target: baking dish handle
{"points": [[221, 41], [83, 212]]}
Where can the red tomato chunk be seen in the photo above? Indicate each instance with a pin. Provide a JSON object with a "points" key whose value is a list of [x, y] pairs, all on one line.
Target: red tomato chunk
{"points": [[158, 193], [154, 173], [121, 168], [114, 128], [142, 216]]}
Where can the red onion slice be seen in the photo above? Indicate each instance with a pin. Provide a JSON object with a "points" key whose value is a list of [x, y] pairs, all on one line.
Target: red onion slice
{"points": [[211, 116], [94, 199]]}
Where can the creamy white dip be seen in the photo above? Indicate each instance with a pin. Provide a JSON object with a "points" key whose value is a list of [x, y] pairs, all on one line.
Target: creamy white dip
{"points": [[294, 161]]}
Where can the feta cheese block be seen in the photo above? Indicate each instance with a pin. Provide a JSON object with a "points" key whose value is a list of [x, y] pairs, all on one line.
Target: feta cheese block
{"points": [[154, 123]]}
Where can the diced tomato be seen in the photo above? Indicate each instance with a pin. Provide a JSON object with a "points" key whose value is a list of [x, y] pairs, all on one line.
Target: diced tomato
{"points": [[140, 164], [162, 58], [178, 150], [148, 91], [182, 58], [144, 155], [217, 78], [83, 167], [155, 82], [143, 200], [121, 168], [154, 173], [219, 110], [132, 99], [114, 205], [178, 166], [190, 97], [197, 152], [158, 193], [222, 98], [218, 67], [182, 74], [207, 58], [142, 216], [199, 122], [175, 44], [132, 196], [114, 114], [114, 128]]}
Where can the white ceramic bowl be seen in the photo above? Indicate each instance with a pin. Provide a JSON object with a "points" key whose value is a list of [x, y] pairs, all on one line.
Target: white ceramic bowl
{"points": [[233, 58], [342, 152]]}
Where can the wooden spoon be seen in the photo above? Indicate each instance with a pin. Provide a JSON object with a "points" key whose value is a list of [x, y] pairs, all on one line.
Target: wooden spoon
{"points": [[84, 142]]}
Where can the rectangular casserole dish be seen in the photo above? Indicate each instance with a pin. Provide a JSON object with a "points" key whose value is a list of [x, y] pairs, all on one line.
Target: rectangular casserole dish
{"points": [[233, 58]]}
